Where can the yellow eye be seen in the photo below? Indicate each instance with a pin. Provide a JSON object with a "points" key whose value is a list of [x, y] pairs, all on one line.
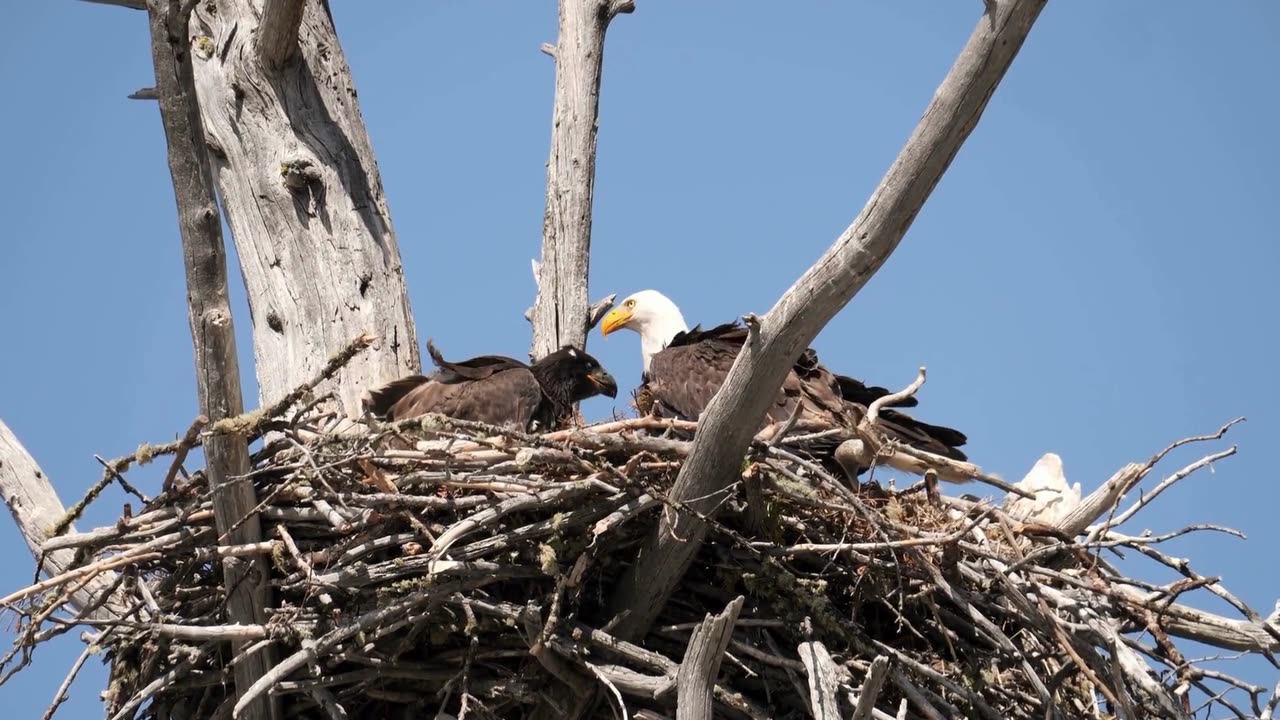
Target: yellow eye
{"points": [[630, 303]]}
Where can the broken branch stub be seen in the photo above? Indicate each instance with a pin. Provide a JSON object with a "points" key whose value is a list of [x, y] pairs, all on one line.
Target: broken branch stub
{"points": [[561, 314]]}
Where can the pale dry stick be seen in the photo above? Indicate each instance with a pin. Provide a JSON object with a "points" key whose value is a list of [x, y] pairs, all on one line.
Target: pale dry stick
{"points": [[871, 686], [155, 686], [823, 680], [1268, 713], [621, 710], [185, 444], [696, 678], [1165, 484], [61, 695], [328, 702], [311, 649]]}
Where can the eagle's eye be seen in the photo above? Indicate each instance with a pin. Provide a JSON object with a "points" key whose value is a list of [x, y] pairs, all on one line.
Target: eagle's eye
{"points": [[630, 303]]}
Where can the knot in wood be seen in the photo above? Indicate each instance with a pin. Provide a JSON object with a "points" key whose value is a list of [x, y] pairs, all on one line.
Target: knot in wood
{"points": [[299, 173]]}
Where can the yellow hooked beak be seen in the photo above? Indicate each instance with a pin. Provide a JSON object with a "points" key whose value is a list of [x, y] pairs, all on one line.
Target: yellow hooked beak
{"points": [[614, 319]]}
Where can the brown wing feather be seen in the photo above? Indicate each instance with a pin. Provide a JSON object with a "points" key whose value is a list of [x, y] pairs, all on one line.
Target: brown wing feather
{"points": [[684, 377], [508, 398]]}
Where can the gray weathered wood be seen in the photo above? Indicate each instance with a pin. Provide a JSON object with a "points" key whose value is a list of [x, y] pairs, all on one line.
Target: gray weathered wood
{"points": [[36, 510], [734, 413], [876, 675], [278, 32], [561, 312], [696, 678], [212, 331], [824, 680], [298, 180]]}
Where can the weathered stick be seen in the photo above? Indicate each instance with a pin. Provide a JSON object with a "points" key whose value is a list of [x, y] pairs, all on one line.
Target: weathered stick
{"points": [[824, 680], [876, 675], [696, 678], [816, 297], [212, 330], [561, 315]]}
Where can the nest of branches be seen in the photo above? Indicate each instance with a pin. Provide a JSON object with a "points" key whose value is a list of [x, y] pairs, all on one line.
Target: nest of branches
{"points": [[438, 568]]}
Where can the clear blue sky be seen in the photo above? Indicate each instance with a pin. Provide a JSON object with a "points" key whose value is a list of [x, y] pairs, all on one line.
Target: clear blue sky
{"points": [[1094, 276]]}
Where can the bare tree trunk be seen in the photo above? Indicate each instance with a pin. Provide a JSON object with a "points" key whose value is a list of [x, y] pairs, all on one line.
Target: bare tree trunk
{"points": [[303, 196], [800, 314], [212, 332], [561, 313]]}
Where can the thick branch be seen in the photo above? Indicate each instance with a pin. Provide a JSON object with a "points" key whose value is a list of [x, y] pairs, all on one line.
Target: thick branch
{"points": [[561, 315], [36, 509], [278, 31], [212, 330], [792, 324], [824, 680], [696, 679]]}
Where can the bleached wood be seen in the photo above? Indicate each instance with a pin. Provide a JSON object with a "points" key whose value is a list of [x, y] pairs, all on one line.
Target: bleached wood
{"points": [[36, 509], [278, 32], [735, 411], [876, 675], [696, 678], [561, 313], [824, 680], [302, 193], [213, 335]]}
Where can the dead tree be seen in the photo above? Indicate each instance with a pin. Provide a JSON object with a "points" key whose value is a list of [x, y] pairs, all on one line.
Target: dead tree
{"points": [[300, 187], [212, 334], [560, 313]]}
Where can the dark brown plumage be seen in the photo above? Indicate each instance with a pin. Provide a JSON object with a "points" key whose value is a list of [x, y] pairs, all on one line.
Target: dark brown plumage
{"points": [[683, 377], [497, 390]]}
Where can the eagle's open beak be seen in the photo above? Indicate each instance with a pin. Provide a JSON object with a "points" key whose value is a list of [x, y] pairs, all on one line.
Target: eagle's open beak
{"points": [[604, 382], [614, 319]]}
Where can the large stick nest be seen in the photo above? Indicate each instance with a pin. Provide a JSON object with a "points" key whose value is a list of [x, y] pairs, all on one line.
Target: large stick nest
{"points": [[438, 566]]}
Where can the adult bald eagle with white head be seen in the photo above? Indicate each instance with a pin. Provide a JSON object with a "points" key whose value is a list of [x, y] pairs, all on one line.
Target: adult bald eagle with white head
{"points": [[684, 368]]}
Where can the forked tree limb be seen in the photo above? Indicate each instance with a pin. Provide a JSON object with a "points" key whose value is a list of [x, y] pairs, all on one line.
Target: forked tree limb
{"points": [[212, 330], [36, 509], [735, 411], [561, 310]]}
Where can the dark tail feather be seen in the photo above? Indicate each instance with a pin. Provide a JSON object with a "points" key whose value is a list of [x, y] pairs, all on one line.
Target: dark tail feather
{"points": [[856, 391], [380, 401], [936, 439]]}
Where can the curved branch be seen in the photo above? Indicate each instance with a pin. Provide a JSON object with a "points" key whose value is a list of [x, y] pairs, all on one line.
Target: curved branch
{"points": [[735, 411]]}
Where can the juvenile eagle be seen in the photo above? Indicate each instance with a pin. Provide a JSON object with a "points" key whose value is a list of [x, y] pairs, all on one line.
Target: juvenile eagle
{"points": [[684, 368], [497, 390]]}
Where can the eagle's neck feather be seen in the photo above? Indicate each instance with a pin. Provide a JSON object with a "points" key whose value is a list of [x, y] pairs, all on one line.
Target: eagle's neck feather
{"points": [[658, 333]]}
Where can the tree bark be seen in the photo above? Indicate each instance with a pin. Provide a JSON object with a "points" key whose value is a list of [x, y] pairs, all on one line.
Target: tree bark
{"points": [[212, 332], [36, 510], [778, 338], [696, 679], [561, 313], [303, 196]]}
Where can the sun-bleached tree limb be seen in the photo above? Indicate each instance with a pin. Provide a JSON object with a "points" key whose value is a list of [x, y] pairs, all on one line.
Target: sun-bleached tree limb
{"points": [[278, 32], [300, 186], [824, 680], [734, 413], [212, 330], [696, 678], [561, 310], [36, 509]]}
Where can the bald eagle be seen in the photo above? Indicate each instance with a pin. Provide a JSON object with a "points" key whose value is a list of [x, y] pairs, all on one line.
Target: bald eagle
{"points": [[497, 390], [684, 368]]}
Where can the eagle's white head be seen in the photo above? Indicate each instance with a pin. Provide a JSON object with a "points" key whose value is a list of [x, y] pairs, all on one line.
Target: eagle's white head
{"points": [[650, 314]]}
